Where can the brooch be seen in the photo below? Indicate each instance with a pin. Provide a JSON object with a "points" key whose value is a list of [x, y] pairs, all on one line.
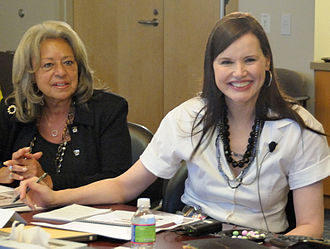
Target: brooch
{"points": [[76, 152], [11, 109]]}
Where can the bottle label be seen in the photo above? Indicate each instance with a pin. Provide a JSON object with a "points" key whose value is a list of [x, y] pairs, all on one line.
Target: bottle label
{"points": [[144, 234]]}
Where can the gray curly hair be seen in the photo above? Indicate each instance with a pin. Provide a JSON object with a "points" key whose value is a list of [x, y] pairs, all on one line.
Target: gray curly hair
{"points": [[26, 94]]}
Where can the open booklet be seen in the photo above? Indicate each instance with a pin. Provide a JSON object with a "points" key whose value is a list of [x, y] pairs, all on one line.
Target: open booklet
{"points": [[105, 222], [69, 213], [7, 195]]}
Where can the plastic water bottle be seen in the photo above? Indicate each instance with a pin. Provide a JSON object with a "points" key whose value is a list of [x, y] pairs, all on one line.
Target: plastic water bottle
{"points": [[143, 226]]}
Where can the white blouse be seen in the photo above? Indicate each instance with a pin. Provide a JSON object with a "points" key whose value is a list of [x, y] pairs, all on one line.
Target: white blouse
{"points": [[300, 158]]}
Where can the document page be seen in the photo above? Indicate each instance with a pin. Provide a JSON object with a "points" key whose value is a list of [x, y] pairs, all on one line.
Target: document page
{"points": [[7, 195], [70, 213], [7, 215], [123, 218]]}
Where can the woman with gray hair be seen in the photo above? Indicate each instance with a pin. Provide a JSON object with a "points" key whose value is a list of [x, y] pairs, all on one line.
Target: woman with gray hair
{"points": [[54, 121], [245, 145]]}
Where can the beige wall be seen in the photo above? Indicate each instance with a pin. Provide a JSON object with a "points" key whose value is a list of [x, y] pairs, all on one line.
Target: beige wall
{"points": [[12, 27], [294, 51], [322, 29], [309, 39], [232, 6]]}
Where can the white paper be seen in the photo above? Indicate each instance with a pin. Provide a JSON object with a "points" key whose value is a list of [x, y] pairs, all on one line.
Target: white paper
{"points": [[70, 213], [117, 217], [7, 215], [5, 189], [7, 196], [24, 209], [121, 218]]}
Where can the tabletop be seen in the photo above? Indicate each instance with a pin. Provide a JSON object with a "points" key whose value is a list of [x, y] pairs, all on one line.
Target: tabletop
{"points": [[164, 239]]}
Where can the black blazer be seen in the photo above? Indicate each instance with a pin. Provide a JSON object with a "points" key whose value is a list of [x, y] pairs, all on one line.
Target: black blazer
{"points": [[99, 134]]}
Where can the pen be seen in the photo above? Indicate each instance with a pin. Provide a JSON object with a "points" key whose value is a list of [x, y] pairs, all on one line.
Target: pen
{"points": [[28, 189]]}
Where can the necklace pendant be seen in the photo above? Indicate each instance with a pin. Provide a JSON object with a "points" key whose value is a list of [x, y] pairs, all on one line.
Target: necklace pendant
{"points": [[237, 154], [234, 183], [54, 133]]}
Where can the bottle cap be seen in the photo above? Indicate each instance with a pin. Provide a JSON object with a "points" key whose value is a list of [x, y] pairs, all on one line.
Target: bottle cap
{"points": [[143, 202]]}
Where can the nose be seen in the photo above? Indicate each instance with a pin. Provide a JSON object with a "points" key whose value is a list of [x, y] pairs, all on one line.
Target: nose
{"points": [[239, 70], [60, 70]]}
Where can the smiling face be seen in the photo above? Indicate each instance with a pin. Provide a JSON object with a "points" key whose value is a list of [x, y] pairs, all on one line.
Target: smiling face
{"points": [[57, 75], [240, 70]]}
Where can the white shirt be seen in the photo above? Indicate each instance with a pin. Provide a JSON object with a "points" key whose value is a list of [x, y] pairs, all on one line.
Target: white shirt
{"points": [[300, 158]]}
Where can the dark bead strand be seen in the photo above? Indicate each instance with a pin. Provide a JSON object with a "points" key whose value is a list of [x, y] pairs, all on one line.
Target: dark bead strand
{"points": [[247, 157], [62, 146]]}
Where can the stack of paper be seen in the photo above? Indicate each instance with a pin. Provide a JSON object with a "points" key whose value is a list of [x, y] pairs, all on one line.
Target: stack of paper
{"points": [[7, 196], [113, 224]]}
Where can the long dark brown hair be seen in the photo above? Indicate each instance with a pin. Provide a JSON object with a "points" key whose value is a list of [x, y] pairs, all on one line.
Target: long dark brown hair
{"points": [[224, 33]]}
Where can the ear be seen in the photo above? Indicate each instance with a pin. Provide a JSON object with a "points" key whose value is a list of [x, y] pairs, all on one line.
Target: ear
{"points": [[267, 63]]}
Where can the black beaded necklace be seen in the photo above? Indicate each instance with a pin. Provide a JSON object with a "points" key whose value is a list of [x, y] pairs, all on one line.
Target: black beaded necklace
{"points": [[65, 139], [256, 130], [248, 156]]}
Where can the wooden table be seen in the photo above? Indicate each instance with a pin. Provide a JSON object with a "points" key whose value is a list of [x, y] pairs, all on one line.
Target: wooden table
{"points": [[164, 240]]}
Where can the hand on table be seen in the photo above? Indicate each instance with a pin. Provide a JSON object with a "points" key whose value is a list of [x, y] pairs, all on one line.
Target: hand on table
{"points": [[23, 165]]}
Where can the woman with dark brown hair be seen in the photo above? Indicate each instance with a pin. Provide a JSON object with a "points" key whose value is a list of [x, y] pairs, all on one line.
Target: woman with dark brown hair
{"points": [[244, 142]]}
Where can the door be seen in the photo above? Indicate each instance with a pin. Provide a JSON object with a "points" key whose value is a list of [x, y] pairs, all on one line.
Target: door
{"points": [[16, 16], [155, 67], [126, 56], [187, 25]]}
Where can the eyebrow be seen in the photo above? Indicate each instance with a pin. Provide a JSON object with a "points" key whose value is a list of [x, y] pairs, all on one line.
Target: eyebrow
{"points": [[51, 58], [230, 58], [224, 58]]}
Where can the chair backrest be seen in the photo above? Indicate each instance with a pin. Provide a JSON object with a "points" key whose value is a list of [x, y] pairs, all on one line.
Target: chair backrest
{"points": [[289, 210], [293, 84], [173, 190], [140, 138], [6, 63], [175, 187]]}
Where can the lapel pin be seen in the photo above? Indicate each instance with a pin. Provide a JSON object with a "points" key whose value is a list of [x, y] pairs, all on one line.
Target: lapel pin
{"points": [[74, 129], [76, 152]]}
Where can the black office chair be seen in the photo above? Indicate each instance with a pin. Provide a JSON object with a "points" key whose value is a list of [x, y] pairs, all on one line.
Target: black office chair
{"points": [[6, 63], [175, 187], [293, 84], [140, 138], [173, 190]]}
